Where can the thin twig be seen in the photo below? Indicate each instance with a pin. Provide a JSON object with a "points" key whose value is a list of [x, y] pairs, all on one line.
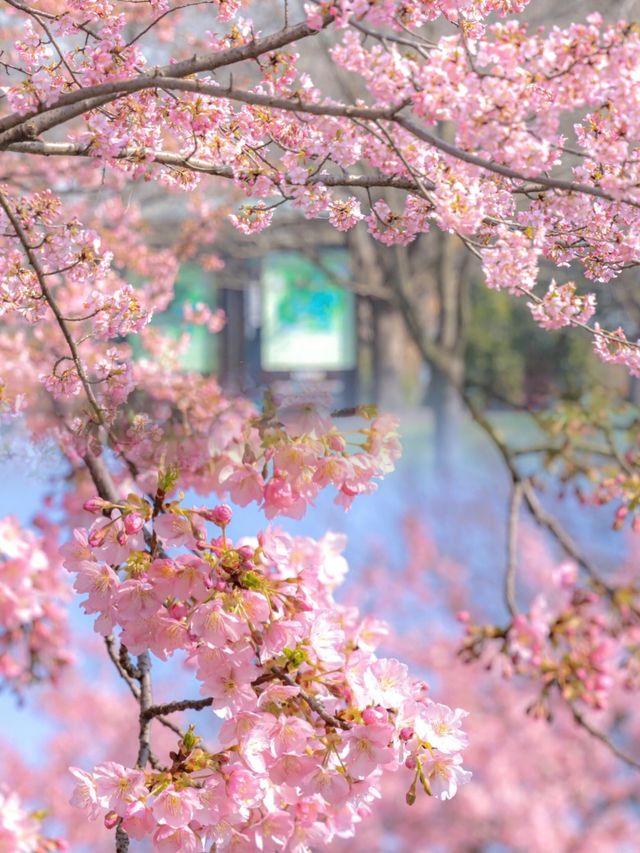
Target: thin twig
{"points": [[602, 737], [554, 527], [179, 705], [512, 548], [313, 703]]}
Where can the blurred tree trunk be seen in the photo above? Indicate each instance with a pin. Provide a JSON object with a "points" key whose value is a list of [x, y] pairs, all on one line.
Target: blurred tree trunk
{"points": [[450, 321]]}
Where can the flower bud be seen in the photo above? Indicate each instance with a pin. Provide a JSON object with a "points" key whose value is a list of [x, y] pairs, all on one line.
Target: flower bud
{"points": [[410, 763], [369, 716], [95, 504], [133, 522], [246, 552], [111, 819], [220, 515], [121, 537], [406, 733]]}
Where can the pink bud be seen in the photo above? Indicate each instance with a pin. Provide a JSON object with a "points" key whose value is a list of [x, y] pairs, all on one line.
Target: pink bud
{"points": [[220, 515], [369, 716], [410, 763], [122, 537], [406, 733], [246, 552], [111, 819], [94, 505], [463, 616], [133, 522]]}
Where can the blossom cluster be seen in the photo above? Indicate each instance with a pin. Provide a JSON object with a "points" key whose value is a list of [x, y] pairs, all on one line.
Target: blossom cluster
{"points": [[312, 716], [280, 458], [22, 831], [578, 641], [614, 348], [562, 306], [33, 593]]}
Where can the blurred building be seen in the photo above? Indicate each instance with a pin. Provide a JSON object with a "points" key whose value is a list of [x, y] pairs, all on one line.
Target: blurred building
{"points": [[293, 324]]}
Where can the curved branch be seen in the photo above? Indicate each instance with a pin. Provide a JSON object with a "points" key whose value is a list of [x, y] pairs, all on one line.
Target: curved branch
{"points": [[56, 115], [197, 64], [194, 164], [602, 737]]}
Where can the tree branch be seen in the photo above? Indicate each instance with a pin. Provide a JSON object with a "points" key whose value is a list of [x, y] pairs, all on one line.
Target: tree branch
{"points": [[105, 92], [602, 737], [77, 103], [335, 722], [512, 548], [194, 164], [179, 705]]}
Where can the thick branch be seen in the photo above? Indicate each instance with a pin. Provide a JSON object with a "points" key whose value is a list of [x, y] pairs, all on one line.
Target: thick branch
{"points": [[144, 749], [105, 92], [122, 840]]}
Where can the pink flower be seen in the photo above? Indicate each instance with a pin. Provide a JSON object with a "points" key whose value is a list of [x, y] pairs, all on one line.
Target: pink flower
{"points": [[227, 678], [99, 581], [326, 638], [330, 784], [293, 770], [245, 485], [440, 726], [273, 833], [176, 530], [85, 794], [175, 807], [367, 748], [133, 522], [166, 839], [138, 821], [211, 623], [561, 306], [445, 774], [290, 735], [387, 682], [117, 786]]}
